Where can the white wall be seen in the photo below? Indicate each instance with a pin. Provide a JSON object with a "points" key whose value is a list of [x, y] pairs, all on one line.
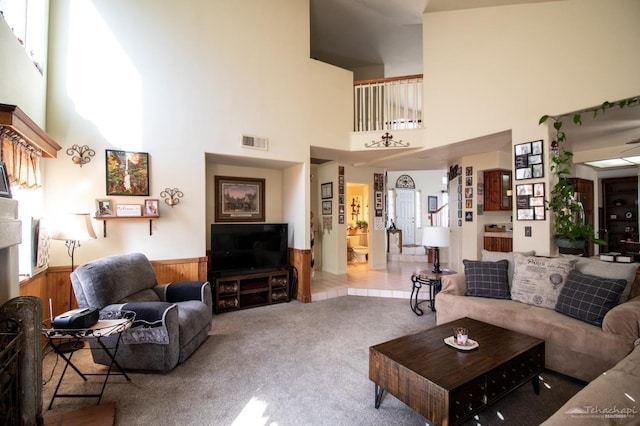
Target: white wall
{"points": [[180, 80]]}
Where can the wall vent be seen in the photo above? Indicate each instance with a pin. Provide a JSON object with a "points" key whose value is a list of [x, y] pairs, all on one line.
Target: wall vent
{"points": [[255, 142]]}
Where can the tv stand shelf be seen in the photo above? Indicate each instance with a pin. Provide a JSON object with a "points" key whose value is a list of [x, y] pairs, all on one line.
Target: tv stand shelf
{"points": [[242, 291]]}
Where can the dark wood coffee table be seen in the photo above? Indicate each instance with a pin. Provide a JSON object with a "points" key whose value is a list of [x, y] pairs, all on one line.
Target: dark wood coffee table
{"points": [[447, 385]]}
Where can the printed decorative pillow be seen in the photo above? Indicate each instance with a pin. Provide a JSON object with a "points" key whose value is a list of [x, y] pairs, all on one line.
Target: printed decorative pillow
{"points": [[494, 256], [539, 280], [487, 279], [589, 298]]}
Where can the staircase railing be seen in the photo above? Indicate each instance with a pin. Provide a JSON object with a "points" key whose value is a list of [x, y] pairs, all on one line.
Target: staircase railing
{"points": [[388, 103]]}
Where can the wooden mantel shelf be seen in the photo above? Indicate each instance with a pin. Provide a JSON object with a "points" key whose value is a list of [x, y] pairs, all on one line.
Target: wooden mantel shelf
{"points": [[105, 219], [14, 119]]}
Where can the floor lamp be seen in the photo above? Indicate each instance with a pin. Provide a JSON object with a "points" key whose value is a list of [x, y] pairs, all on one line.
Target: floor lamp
{"points": [[72, 229], [436, 237]]}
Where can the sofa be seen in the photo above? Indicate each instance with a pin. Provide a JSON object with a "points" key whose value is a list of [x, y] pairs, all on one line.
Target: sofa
{"points": [[171, 320], [573, 346], [611, 399]]}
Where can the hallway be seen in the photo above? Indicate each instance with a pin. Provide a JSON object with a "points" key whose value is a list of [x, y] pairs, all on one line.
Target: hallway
{"points": [[394, 282]]}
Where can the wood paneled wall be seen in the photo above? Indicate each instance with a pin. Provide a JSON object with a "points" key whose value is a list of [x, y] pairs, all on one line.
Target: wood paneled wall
{"points": [[301, 259], [54, 283]]}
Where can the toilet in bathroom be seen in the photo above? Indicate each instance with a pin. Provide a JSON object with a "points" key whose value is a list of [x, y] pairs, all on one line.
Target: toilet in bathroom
{"points": [[359, 252]]}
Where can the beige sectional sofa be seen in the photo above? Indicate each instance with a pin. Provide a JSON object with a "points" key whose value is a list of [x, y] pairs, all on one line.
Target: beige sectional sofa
{"points": [[611, 399], [572, 347]]}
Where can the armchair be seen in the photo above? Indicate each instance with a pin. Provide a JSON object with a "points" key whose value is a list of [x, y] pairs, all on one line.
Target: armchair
{"points": [[172, 320]]}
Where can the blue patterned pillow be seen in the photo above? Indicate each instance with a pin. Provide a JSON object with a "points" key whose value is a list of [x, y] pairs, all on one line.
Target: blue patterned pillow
{"points": [[589, 298], [487, 279]]}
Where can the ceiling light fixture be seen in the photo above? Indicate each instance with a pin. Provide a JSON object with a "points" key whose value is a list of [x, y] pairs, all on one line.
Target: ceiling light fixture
{"points": [[386, 142]]}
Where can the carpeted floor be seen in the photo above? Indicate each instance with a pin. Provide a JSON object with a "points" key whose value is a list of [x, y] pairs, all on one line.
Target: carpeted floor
{"points": [[289, 364]]}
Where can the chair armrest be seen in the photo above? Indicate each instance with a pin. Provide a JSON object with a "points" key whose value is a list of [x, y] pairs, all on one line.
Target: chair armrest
{"points": [[624, 319], [454, 284], [185, 290], [148, 314]]}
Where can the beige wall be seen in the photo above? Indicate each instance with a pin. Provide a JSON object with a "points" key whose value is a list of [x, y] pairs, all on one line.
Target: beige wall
{"points": [[501, 68], [178, 82]]}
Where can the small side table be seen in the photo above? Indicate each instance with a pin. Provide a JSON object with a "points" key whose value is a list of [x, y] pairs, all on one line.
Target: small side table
{"points": [[64, 342], [434, 281]]}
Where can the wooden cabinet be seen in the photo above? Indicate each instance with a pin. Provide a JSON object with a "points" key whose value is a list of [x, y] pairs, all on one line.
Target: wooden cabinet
{"points": [[620, 211], [502, 244], [250, 290], [496, 184]]}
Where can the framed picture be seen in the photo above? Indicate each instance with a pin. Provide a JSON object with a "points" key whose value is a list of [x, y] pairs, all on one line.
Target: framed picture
{"points": [[468, 204], [151, 207], [239, 199], [341, 180], [341, 219], [129, 210], [528, 160], [127, 172], [468, 216], [326, 190], [432, 202], [326, 207], [104, 208], [378, 195], [5, 188], [529, 201]]}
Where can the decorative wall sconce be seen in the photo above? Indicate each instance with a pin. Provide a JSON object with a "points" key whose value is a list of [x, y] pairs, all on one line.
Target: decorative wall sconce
{"points": [[80, 154], [386, 142], [171, 196], [355, 208]]}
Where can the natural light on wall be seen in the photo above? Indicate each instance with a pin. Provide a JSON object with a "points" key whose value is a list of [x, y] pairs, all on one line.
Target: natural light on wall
{"points": [[102, 82]]}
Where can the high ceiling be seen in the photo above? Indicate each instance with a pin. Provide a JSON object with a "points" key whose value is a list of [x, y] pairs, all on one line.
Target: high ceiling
{"points": [[358, 33]]}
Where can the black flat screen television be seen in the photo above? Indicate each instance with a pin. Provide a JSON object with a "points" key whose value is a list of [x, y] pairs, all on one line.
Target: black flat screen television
{"points": [[246, 248]]}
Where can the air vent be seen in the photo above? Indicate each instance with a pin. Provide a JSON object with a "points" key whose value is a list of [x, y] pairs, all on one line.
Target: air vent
{"points": [[255, 142]]}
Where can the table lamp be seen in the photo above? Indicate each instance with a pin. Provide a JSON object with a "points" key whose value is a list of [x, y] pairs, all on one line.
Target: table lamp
{"points": [[73, 228], [436, 237]]}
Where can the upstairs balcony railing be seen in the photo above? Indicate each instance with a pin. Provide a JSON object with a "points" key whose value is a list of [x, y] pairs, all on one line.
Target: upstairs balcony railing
{"points": [[388, 103]]}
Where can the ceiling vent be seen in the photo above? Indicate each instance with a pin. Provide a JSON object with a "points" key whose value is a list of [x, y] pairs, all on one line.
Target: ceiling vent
{"points": [[255, 142]]}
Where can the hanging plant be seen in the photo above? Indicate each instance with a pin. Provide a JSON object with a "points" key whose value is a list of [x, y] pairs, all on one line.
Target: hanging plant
{"points": [[567, 211]]}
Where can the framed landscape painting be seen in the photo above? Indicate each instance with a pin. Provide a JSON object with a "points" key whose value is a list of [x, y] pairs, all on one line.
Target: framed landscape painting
{"points": [[239, 199], [127, 172]]}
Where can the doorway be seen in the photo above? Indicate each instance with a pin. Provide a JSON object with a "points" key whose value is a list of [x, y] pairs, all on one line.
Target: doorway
{"points": [[405, 209], [357, 220]]}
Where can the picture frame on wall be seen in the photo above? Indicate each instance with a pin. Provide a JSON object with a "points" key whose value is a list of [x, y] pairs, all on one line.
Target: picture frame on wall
{"points": [[127, 173], [528, 160], [326, 190], [432, 202], [239, 199], [529, 201], [326, 207]]}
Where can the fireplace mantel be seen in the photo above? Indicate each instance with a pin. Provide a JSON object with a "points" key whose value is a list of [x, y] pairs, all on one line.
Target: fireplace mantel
{"points": [[14, 120]]}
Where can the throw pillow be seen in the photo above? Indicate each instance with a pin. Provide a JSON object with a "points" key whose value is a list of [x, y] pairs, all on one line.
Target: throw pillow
{"points": [[487, 279], [589, 298], [539, 280], [494, 256], [611, 270]]}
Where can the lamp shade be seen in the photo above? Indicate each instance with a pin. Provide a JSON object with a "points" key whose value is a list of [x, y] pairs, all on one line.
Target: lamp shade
{"points": [[435, 236], [74, 227]]}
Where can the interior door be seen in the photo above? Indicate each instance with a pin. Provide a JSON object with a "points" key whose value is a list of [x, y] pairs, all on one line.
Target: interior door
{"points": [[405, 214]]}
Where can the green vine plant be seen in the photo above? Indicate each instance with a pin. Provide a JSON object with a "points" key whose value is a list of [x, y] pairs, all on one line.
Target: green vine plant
{"points": [[569, 223]]}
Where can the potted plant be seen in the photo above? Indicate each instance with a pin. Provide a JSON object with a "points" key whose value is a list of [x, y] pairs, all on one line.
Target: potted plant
{"points": [[567, 211], [362, 224]]}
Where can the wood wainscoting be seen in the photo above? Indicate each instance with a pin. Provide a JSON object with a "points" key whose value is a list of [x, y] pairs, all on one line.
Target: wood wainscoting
{"points": [[54, 283]]}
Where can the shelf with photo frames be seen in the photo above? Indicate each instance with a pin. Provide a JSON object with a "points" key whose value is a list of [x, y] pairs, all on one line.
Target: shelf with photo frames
{"points": [[529, 200], [106, 211]]}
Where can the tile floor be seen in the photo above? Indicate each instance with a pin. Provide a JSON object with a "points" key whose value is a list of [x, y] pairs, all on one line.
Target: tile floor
{"points": [[359, 280]]}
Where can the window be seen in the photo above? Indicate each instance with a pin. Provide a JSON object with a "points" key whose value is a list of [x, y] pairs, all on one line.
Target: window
{"points": [[418, 208]]}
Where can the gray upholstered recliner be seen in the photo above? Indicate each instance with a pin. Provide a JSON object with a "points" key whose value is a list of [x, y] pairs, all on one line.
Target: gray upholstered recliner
{"points": [[172, 320]]}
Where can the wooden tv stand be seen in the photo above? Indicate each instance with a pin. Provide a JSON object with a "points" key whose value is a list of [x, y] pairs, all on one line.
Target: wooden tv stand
{"points": [[242, 291]]}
